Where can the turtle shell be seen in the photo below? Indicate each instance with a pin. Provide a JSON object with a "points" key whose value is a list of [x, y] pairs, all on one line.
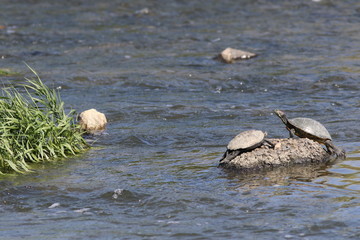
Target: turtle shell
{"points": [[310, 128], [247, 140]]}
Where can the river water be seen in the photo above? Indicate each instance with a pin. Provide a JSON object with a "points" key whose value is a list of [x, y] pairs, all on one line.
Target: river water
{"points": [[148, 65]]}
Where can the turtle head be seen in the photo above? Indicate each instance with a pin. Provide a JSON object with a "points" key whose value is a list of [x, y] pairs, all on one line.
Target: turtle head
{"points": [[281, 115]]}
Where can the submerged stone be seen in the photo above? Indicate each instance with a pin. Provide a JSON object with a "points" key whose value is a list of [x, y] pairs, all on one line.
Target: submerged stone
{"points": [[92, 121], [229, 55]]}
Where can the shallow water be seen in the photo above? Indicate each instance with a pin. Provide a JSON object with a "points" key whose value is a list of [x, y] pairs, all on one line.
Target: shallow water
{"points": [[172, 110]]}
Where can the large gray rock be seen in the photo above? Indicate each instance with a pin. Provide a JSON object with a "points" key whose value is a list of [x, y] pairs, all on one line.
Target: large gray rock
{"points": [[287, 152]]}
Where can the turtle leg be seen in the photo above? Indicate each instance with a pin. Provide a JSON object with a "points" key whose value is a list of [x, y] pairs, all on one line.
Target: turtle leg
{"points": [[270, 143], [224, 156], [332, 149], [229, 155], [292, 133]]}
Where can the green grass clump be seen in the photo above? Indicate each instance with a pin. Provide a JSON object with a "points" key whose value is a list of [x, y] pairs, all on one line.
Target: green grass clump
{"points": [[35, 128], [7, 72]]}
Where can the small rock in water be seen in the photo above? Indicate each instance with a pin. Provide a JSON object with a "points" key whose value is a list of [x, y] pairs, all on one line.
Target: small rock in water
{"points": [[117, 192], [92, 121], [54, 205], [82, 210], [229, 55], [142, 11]]}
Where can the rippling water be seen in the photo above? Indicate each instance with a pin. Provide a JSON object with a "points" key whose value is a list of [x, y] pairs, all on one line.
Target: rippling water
{"points": [[172, 110]]}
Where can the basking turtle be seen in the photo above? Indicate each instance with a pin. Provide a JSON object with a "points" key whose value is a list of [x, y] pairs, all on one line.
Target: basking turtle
{"points": [[309, 128], [244, 142]]}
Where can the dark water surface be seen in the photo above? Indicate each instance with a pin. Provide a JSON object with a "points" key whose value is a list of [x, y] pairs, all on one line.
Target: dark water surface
{"points": [[172, 110]]}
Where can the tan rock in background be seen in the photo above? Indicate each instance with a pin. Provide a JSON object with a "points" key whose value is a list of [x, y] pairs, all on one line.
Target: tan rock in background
{"points": [[229, 55], [92, 121]]}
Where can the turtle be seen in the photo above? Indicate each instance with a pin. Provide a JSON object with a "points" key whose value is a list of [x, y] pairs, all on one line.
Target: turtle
{"points": [[244, 142], [309, 128]]}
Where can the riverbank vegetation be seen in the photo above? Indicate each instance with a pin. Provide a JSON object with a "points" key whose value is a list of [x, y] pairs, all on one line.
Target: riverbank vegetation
{"points": [[35, 128], [7, 72]]}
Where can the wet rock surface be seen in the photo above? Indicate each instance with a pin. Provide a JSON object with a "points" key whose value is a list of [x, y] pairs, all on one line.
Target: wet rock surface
{"points": [[92, 121], [287, 152], [229, 55]]}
